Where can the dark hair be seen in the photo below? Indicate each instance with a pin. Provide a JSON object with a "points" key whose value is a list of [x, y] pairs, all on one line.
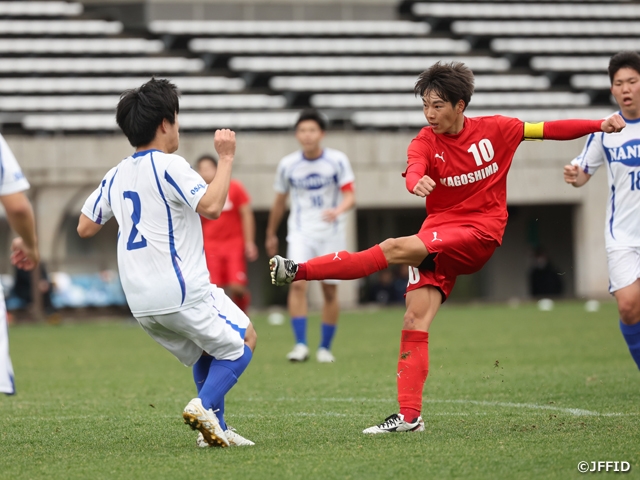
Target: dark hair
{"points": [[142, 109], [623, 60], [207, 157], [312, 114], [450, 81]]}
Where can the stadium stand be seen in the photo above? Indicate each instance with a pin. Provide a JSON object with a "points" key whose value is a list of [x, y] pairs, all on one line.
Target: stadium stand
{"points": [[61, 68], [279, 29]]}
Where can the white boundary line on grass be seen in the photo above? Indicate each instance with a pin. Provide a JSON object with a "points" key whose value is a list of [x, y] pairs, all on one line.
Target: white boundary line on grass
{"points": [[532, 406], [250, 415]]}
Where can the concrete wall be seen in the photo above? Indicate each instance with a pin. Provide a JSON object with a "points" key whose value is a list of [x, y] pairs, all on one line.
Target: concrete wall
{"points": [[64, 169]]}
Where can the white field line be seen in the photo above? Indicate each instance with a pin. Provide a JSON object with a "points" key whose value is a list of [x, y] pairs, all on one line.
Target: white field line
{"points": [[251, 415], [531, 406]]}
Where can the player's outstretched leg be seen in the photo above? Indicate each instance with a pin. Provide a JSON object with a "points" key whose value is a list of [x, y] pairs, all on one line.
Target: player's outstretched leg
{"points": [[341, 265]]}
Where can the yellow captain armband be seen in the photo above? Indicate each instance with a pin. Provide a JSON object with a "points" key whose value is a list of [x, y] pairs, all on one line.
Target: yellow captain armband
{"points": [[533, 131]]}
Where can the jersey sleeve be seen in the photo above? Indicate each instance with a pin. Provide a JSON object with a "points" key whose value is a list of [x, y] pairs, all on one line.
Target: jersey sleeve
{"points": [[241, 197], [11, 178], [98, 206], [417, 162], [281, 184], [185, 185], [592, 156], [511, 129], [345, 175]]}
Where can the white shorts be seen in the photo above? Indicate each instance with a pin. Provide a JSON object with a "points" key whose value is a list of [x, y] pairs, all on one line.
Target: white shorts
{"points": [[624, 267], [216, 326], [6, 368], [301, 249]]}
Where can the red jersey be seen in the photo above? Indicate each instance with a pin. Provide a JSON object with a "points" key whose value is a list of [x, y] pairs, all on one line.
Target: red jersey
{"points": [[227, 229], [470, 170]]}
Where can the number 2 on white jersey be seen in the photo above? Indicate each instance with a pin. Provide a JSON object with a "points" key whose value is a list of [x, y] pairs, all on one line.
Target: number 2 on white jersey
{"points": [[486, 150], [135, 218]]}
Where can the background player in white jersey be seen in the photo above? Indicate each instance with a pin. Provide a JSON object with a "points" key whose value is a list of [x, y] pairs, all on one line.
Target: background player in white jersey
{"points": [[24, 247], [320, 183], [621, 154], [156, 197]]}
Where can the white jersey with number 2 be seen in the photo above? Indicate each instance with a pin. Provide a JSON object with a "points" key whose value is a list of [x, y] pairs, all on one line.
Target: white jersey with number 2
{"points": [[153, 196], [620, 152]]}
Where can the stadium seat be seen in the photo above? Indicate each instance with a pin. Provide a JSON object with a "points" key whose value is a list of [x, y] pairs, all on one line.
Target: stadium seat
{"points": [[193, 121], [114, 84], [570, 64], [405, 83], [415, 119], [328, 45], [394, 63], [529, 27], [525, 10], [40, 9], [596, 82], [82, 46], [60, 27], [281, 28], [107, 102], [393, 100], [565, 45], [114, 65]]}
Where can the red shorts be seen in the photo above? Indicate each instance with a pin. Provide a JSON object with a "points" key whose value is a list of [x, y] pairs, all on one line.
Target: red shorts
{"points": [[227, 266], [453, 250]]}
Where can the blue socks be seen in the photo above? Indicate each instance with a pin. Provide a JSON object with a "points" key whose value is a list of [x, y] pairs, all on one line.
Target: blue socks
{"points": [[631, 334], [221, 376], [201, 371], [299, 325], [328, 331]]}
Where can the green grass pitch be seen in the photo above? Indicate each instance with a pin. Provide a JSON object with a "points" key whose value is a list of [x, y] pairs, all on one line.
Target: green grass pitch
{"points": [[511, 393]]}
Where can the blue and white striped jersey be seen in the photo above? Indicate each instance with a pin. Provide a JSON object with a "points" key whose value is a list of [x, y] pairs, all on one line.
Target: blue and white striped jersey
{"points": [[153, 196], [314, 186], [11, 178], [620, 152]]}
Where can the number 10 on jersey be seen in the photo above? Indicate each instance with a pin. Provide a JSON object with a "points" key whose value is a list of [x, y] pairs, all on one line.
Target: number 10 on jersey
{"points": [[483, 150]]}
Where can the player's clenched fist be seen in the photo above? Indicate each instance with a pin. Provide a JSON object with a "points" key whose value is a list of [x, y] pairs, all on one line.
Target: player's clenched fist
{"points": [[424, 186], [571, 174], [615, 123], [224, 142]]}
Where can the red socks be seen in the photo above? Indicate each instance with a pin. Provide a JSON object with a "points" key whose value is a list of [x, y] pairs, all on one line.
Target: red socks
{"points": [[413, 367], [343, 265]]}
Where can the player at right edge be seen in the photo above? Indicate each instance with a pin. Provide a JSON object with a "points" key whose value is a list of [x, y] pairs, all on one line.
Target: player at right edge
{"points": [[621, 154]]}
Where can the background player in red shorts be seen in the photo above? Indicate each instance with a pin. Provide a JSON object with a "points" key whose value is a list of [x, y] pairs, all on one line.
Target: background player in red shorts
{"points": [[229, 239], [460, 165]]}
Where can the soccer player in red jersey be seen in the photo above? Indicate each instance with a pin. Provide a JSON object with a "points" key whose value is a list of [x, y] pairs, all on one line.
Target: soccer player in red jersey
{"points": [[230, 239], [460, 165]]}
